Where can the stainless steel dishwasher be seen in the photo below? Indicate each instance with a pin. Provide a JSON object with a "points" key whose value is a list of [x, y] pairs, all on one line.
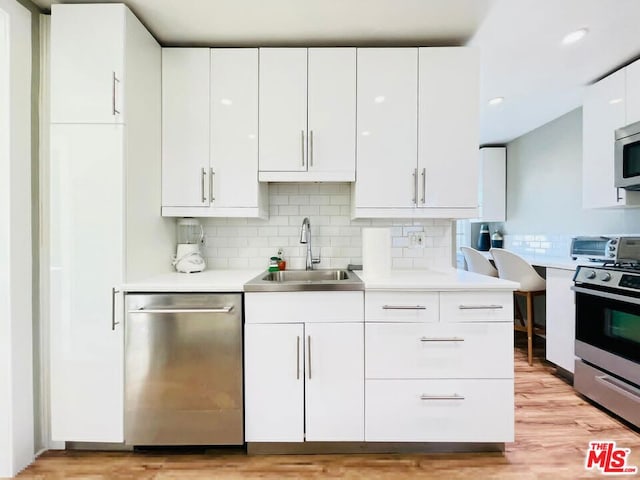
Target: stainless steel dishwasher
{"points": [[183, 369]]}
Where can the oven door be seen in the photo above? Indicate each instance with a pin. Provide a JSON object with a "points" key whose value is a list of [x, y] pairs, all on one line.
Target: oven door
{"points": [[627, 160], [608, 332]]}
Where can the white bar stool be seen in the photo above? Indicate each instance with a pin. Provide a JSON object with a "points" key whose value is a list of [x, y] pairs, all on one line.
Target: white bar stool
{"points": [[478, 263], [515, 268]]}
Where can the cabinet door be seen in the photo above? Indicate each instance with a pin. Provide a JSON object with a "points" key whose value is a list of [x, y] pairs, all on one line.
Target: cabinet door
{"points": [[283, 109], [334, 367], [633, 92], [603, 111], [387, 99], [492, 194], [86, 263], [448, 122], [274, 382], [332, 112], [561, 313], [234, 127], [185, 127], [87, 63]]}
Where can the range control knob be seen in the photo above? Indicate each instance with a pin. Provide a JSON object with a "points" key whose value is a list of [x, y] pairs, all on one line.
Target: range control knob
{"points": [[591, 274], [605, 276]]}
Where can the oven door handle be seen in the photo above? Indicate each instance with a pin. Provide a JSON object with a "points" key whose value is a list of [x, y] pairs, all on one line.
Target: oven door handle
{"points": [[608, 295], [626, 390]]}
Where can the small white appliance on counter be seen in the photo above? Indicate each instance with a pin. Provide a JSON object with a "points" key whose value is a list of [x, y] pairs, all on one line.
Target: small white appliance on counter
{"points": [[188, 258]]}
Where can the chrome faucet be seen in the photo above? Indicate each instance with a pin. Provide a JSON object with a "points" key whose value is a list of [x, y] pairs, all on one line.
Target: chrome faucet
{"points": [[305, 237]]}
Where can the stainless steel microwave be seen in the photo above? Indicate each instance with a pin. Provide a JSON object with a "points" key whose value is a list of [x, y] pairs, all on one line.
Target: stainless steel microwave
{"points": [[627, 157]]}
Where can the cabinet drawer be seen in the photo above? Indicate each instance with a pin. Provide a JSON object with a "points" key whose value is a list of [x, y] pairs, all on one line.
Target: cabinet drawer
{"points": [[300, 307], [476, 307], [439, 411], [401, 306], [414, 350]]}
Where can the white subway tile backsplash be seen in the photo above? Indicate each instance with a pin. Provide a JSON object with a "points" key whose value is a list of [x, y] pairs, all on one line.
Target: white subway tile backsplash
{"points": [[249, 243]]}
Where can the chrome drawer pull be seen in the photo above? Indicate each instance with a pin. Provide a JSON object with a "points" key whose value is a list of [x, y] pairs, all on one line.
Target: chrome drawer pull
{"points": [[455, 396], [442, 339], [480, 307], [404, 307], [183, 310]]}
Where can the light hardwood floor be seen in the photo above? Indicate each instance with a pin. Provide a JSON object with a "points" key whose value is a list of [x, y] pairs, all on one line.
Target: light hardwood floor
{"points": [[553, 429]]}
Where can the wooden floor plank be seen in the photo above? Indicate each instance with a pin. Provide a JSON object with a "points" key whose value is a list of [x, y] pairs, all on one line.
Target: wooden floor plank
{"points": [[553, 428]]}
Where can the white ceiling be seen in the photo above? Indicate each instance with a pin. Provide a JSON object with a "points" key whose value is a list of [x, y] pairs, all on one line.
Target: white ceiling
{"points": [[520, 40]]}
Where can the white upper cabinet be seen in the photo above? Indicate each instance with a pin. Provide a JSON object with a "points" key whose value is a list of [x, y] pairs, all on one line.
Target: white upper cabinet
{"points": [[210, 133], [387, 128], [332, 113], [185, 127], [234, 129], [492, 185], [604, 111], [88, 38], [283, 109], [418, 128], [633, 92], [307, 114], [448, 125]]}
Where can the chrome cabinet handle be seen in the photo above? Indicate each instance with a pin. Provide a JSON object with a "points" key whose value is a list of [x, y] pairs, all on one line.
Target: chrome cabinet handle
{"points": [[311, 148], [302, 145], [183, 310], [309, 353], [298, 357], [404, 307], [455, 396], [212, 196], [203, 174], [424, 185], [114, 110], [480, 307], [618, 197], [114, 291], [441, 339], [415, 186]]}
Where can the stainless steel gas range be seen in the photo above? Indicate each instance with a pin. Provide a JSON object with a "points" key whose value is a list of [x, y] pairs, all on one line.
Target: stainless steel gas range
{"points": [[608, 337]]}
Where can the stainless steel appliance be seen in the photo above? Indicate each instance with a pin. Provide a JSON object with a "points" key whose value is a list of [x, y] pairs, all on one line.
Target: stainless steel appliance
{"points": [[627, 157], [606, 249], [183, 369], [608, 337]]}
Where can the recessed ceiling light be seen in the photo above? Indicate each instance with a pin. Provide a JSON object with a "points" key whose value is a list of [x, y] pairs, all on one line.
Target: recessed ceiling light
{"points": [[366, 133], [379, 99], [575, 36], [496, 101], [613, 101], [226, 101]]}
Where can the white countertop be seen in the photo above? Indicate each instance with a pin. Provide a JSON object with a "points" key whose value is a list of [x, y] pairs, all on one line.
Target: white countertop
{"points": [[436, 279], [207, 281], [234, 280], [563, 263]]}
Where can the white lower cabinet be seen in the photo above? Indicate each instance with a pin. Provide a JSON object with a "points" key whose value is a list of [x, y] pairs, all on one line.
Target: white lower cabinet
{"points": [[448, 410], [304, 381], [274, 383], [561, 314], [414, 371], [447, 378]]}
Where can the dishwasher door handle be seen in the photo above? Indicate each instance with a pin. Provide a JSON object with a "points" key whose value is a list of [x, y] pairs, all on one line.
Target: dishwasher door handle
{"points": [[183, 310]]}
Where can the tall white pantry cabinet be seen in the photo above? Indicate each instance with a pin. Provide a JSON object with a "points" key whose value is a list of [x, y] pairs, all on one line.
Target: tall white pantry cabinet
{"points": [[105, 223]]}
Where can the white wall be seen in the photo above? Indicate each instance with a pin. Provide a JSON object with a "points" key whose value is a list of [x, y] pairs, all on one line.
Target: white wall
{"points": [[16, 360], [544, 187], [248, 243]]}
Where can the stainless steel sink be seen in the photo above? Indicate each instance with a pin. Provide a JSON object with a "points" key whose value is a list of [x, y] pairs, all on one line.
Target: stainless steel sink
{"points": [[304, 280]]}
